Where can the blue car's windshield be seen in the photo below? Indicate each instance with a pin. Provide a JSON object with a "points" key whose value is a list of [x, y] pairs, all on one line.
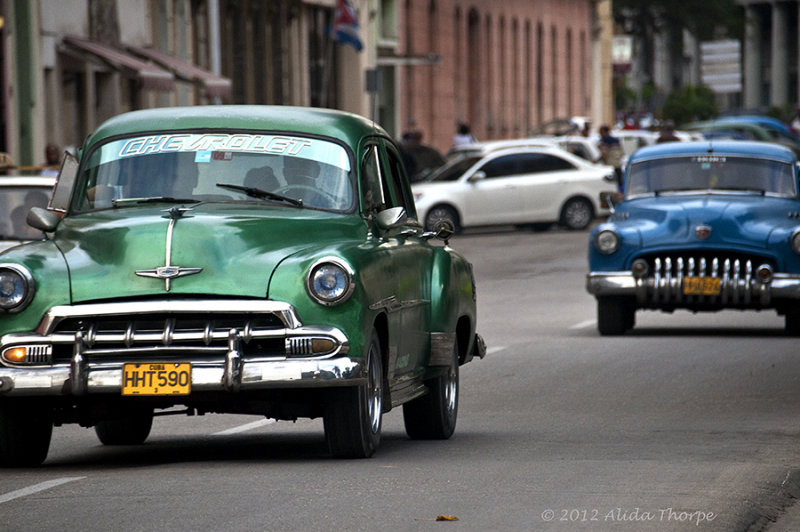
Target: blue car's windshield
{"points": [[187, 167], [702, 173]]}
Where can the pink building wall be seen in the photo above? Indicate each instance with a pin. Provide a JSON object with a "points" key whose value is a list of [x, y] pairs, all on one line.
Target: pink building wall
{"points": [[505, 66]]}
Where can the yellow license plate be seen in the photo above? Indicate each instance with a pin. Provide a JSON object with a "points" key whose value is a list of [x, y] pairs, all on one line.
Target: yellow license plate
{"points": [[701, 286], [158, 378]]}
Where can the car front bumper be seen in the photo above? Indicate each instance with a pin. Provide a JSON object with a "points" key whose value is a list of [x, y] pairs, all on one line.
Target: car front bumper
{"points": [[655, 291], [82, 349], [234, 377]]}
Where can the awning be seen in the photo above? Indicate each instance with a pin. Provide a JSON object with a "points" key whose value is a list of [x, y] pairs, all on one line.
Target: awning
{"points": [[214, 86], [150, 76]]}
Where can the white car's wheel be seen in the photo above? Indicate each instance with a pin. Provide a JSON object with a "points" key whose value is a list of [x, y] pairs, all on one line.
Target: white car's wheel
{"points": [[577, 214]]}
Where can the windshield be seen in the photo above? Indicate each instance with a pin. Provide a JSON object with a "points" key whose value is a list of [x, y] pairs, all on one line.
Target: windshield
{"points": [[186, 167], [711, 172]]}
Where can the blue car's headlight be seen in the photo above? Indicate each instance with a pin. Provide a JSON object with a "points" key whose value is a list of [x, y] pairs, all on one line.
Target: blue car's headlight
{"points": [[16, 287], [330, 281], [606, 241], [796, 241]]}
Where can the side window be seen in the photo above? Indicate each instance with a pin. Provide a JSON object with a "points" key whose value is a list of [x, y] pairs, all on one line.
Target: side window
{"points": [[532, 163], [371, 186], [501, 167], [398, 184]]}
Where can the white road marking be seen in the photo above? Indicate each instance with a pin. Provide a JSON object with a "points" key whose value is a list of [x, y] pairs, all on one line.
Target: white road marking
{"points": [[490, 350], [245, 427], [584, 324], [30, 490]]}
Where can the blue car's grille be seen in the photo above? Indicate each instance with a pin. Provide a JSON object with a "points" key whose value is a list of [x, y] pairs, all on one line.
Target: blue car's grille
{"points": [[732, 280]]}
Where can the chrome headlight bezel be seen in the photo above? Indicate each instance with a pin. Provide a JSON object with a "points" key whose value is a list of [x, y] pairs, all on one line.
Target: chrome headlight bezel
{"points": [[606, 241], [330, 269], [24, 287]]}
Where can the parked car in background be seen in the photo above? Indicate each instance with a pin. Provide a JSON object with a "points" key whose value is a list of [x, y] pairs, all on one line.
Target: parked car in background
{"points": [[17, 195], [484, 147], [763, 129], [778, 131], [539, 185], [703, 226], [232, 259]]}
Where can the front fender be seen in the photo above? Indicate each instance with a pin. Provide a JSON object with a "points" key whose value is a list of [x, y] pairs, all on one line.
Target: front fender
{"points": [[453, 297], [51, 277]]}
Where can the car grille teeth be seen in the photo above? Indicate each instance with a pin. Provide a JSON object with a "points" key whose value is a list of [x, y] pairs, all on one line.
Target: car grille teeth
{"points": [[168, 332], [724, 281]]}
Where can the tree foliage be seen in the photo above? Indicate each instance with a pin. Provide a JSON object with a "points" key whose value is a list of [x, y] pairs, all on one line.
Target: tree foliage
{"points": [[705, 19], [690, 103]]}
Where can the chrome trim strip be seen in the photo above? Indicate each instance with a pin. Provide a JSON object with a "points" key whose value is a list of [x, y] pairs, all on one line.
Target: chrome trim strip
{"points": [[283, 311]]}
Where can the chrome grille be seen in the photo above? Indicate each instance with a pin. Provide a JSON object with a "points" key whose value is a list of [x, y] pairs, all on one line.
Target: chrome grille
{"points": [[738, 284], [109, 335]]}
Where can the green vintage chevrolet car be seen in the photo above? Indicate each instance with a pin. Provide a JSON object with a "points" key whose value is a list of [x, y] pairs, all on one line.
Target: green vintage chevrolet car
{"points": [[232, 259]]}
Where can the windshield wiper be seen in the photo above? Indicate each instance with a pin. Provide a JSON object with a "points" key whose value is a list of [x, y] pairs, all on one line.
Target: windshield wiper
{"points": [[155, 199], [261, 194]]}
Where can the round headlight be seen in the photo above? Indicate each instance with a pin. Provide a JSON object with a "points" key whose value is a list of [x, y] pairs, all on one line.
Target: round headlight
{"points": [[796, 241], [16, 287], [330, 281], [606, 241]]}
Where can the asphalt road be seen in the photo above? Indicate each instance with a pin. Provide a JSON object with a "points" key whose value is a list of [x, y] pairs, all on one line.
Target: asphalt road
{"points": [[688, 422]]}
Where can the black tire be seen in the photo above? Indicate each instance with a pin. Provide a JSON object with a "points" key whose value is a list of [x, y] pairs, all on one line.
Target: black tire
{"points": [[615, 315], [25, 433], [128, 429], [792, 318], [433, 416], [577, 214], [353, 415], [441, 213]]}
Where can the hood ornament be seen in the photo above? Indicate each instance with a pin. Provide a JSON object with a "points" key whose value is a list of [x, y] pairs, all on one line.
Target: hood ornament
{"points": [[702, 232], [168, 272]]}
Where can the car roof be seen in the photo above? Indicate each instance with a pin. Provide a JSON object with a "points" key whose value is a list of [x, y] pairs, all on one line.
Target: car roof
{"points": [[348, 127], [742, 148]]}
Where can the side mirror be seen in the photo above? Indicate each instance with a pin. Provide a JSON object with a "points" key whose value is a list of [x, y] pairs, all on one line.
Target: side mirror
{"points": [[609, 200], [443, 230], [477, 176], [42, 219], [390, 218]]}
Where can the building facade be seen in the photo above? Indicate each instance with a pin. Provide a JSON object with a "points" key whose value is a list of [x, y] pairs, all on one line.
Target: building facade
{"points": [[771, 57], [502, 67]]}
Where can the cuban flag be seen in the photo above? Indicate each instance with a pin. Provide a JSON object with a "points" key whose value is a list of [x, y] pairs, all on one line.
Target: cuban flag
{"points": [[345, 25]]}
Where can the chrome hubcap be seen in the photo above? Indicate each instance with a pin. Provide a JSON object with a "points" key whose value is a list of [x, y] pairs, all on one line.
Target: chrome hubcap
{"points": [[374, 395]]}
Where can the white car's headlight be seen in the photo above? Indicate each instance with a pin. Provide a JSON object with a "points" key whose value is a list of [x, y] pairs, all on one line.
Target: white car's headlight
{"points": [[606, 241], [16, 287], [330, 281]]}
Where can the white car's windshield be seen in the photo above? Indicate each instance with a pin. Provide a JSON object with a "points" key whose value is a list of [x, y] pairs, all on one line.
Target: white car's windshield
{"points": [[186, 167], [711, 172]]}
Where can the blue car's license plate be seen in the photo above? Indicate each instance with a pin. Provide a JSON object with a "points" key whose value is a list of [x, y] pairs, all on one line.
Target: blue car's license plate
{"points": [[701, 286]]}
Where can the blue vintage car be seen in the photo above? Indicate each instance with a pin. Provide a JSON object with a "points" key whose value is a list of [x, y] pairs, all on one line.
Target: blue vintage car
{"points": [[701, 226]]}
